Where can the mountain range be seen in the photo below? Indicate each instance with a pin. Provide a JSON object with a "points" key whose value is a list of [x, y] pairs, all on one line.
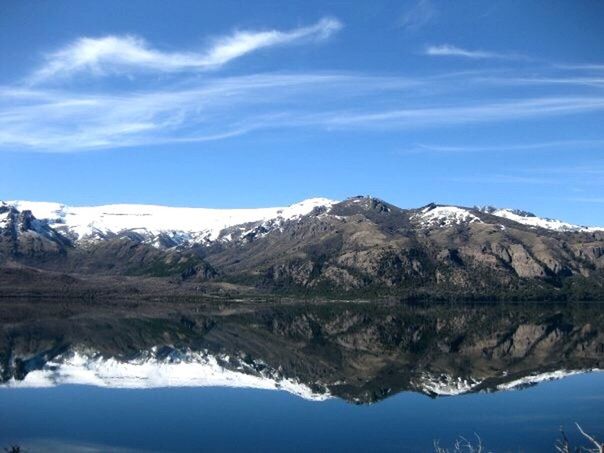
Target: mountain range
{"points": [[359, 247]]}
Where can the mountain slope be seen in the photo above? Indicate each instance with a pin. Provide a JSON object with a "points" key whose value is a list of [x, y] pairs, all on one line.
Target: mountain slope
{"points": [[367, 245], [32, 242]]}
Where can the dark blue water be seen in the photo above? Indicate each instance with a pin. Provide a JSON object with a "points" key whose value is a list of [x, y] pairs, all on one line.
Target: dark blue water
{"points": [[70, 418]]}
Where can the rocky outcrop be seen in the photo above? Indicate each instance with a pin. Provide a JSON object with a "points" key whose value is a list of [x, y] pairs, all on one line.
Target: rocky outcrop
{"points": [[22, 236]]}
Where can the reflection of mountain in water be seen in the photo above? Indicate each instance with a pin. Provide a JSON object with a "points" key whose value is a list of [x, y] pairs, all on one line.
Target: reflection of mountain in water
{"points": [[358, 352], [162, 368]]}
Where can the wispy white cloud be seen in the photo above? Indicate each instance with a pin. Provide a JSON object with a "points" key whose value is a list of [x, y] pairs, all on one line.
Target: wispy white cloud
{"points": [[575, 145], [582, 67], [448, 50], [587, 169], [587, 199], [215, 109], [241, 43], [474, 113], [75, 117], [418, 15], [540, 80], [126, 53]]}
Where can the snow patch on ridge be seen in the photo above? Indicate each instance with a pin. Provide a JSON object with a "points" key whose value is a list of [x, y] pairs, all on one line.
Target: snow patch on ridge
{"points": [[527, 218], [181, 225], [445, 216], [4, 219]]}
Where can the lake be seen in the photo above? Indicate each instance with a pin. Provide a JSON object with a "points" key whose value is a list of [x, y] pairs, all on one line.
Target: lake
{"points": [[73, 417], [299, 377]]}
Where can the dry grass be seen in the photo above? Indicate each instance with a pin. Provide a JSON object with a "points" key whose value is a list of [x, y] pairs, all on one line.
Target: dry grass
{"points": [[562, 445]]}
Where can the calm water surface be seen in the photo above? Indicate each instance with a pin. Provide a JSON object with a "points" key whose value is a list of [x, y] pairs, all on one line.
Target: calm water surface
{"points": [[203, 378], [73, 417]]}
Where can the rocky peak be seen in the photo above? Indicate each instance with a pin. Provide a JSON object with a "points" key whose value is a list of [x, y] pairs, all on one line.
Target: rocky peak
{"points": [[24, 236], [366, 205]]}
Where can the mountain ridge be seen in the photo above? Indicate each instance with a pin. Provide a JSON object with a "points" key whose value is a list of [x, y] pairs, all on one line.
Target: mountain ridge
{"points": [[360, 246], [197, 225], [58, 213]]}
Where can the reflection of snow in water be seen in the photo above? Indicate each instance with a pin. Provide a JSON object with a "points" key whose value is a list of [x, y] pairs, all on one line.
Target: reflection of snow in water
{"points": [[443, 384], [189, 369], [154, 369], [536, 378]]}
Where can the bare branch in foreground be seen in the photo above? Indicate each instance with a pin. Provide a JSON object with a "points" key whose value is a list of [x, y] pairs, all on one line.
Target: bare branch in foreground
{"points": [[599, 446]]}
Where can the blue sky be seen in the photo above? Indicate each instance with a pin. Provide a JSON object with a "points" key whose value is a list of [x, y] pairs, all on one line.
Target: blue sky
{"points": [[243, 104]]}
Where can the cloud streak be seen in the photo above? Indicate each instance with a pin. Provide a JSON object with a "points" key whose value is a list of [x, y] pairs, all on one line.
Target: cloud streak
{"points": [[448, 50], [55, 120], [418, 15], [119, 54], [185, 108], [587, 199], [479, 112], [546, 146]]}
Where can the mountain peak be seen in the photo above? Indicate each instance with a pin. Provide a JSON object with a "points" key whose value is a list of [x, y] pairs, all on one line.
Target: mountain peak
{"points": [[433, 215]]}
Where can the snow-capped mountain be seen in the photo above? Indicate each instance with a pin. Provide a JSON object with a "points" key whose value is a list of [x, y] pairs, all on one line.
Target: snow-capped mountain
{"points": [[180, 225], [359, 244], [183, 226], [434, 215], [444, 216]]}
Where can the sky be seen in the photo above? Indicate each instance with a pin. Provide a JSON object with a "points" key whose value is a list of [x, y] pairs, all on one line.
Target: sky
{"points": [[265, 103]]}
